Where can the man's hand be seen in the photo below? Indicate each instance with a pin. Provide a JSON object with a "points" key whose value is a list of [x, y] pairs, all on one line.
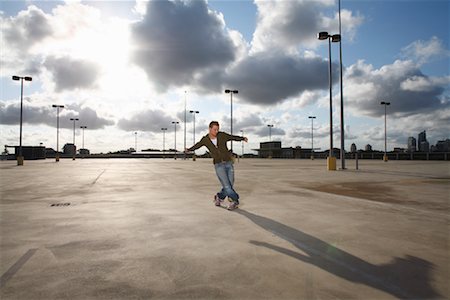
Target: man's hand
{"points": [[246, 140]]}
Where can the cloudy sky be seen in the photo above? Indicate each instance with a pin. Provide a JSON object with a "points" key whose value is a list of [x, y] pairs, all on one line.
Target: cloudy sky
{"points": [[129, 66]]}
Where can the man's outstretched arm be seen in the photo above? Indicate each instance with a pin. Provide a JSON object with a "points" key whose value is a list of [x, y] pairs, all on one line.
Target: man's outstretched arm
{"points": [[196, 146], [235, 138]]}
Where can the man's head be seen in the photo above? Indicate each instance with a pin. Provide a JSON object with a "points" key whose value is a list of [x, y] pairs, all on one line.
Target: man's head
{"points": [[213, 128]]}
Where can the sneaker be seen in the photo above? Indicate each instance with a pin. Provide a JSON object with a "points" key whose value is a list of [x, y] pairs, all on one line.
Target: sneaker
{"points": [[217, 200], [233, 205]]}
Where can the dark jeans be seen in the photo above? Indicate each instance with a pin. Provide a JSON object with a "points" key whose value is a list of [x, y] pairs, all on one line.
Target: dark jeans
{"points": [[225, 173]]}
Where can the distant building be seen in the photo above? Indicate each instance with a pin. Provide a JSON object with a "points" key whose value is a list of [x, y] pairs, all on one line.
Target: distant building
{"points": [[69, 149], [84, 151], [353, 148], [442, 146], [399, 150], [274, 150], [31, 152], [424, 147], [421, 138], [412, 146], [368, 148]]}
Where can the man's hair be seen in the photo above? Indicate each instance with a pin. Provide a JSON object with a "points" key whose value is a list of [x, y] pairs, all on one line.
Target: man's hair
{"points": [[213, 123]]}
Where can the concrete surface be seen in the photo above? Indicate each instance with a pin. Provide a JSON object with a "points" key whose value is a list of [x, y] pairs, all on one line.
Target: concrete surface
{"points": [[147, 228]]}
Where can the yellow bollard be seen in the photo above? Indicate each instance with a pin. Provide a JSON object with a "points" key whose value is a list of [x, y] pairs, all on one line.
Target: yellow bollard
{"points": [[385, 158], [331, 163], [20, 160]]}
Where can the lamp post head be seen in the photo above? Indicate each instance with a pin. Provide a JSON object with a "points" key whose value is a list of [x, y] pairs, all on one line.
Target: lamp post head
{"points": [[60, 106], [83, 127], [312, 117], [271, 125], [28, 78], [323, 35], [16, 78], [231, 91], [336, 38], [385, 103]]}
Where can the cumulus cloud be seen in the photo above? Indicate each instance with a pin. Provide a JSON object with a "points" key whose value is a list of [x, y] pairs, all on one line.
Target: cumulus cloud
{"points": [[401, 83], [148, 120], [290, 24], [38, 114], [69, 73], [87, 117], [269, 78], [263, 131], [425, 51], [178, 40], [25, 30]]}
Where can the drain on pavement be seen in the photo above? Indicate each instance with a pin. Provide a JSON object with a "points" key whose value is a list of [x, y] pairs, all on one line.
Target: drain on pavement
{"points": [[60, 204]]}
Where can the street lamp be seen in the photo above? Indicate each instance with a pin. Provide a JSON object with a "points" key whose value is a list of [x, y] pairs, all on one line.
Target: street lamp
{"points": [[312, 136], [242, 133], [83, 128], [74, 148], [57, 130], [164, 141], [385, 158], [270, 131], [135, 142], [231, 92], [185, 113], [21, 78], [342, 95], [175, 149], [194, 112], [331, 160]]}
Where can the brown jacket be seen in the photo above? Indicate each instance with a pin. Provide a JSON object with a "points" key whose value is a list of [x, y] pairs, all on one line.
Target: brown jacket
{"points": [[219, 153]]}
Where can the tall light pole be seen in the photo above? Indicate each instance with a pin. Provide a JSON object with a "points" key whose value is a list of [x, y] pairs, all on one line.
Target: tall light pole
{"points": [[385, 158], [194, 112], [342, 94], [331, 160], [185, 117], [74, 148], [21, 78], [164, 141], [83, 128], [231, 92], [135, 142], [270, 131], [175, 127], [242, 133], [57, 130], [312, 136]]}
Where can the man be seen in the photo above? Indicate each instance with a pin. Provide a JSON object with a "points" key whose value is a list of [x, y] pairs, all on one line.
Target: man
{"points": [[216, 142]]}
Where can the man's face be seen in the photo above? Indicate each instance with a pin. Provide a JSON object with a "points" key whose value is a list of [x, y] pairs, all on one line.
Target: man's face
{"points": [[214, 130]]}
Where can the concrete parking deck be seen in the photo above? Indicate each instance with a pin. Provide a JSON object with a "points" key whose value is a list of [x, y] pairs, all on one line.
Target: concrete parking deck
{"points": [[147, 228]]}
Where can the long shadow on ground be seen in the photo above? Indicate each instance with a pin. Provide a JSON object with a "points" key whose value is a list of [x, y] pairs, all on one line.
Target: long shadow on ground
{"points": [[405, 278]]}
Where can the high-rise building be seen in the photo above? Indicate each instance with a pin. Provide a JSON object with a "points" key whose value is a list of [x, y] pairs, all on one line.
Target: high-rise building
{"points": [[443, 146], [424, 147], [412, 146], [353, 148], [422, 138]]}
